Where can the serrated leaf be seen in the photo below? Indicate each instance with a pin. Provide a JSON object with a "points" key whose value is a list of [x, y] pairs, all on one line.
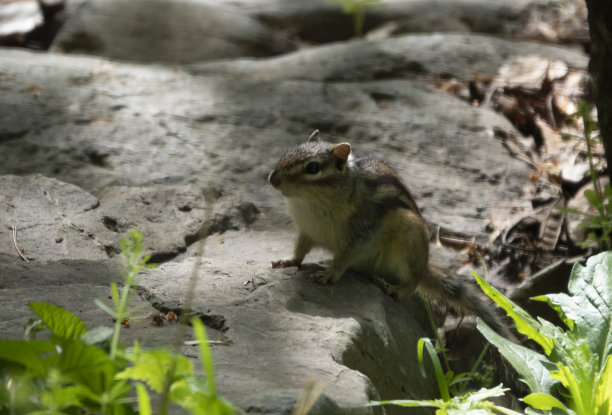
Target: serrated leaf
{"points": [[61, 397], [589, 304], [86, 365], [525, 324], [152, 368], [532, 367], [60, 321]]}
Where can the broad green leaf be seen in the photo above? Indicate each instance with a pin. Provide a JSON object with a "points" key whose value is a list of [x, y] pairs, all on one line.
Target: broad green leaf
{"points": [[589, 304], [86, 365], [60, 321], [61, 397], [543, 401], [204, 404], [28, 353], [530, 365], [152, 368], [524, 322]]}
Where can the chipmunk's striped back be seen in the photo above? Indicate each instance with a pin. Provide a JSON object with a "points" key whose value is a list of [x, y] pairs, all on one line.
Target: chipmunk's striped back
{"points": [[361, 211]]}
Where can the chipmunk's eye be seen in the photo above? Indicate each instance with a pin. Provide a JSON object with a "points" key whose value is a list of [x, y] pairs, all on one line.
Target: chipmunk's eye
{"points": [[313, 167]]}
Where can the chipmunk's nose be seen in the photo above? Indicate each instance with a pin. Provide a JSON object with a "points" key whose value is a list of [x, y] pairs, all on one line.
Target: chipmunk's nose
{"points": [[273, 178]]}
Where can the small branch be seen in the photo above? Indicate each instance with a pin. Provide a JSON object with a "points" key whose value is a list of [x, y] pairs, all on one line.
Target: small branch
{"points": [[224, 342], [15, 245]]}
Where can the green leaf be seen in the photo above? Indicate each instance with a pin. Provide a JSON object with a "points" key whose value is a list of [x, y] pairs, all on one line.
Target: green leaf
{"points": [[565, 376], [61, 397], [60, 321], [594, 199], [86, 365], [524, 322], [440, 378], [28, 353], [115, 294], [603, 389], [152, 367], [543, 401], [568, 321], [531, 366], [589, 304], [144, 404], [105, 308], [98, 335], [205, 354]]}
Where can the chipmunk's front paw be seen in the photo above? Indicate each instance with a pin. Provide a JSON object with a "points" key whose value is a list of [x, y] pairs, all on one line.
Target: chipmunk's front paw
{"points": [[321, 277], [286, 263]]}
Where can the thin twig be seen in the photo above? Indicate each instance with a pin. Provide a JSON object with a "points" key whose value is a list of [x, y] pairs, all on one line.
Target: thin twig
{"points": [[15, 245], [224, 342]]}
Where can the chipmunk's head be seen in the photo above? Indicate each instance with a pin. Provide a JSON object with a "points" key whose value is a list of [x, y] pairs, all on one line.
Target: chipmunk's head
{"points": [[311, 164]]}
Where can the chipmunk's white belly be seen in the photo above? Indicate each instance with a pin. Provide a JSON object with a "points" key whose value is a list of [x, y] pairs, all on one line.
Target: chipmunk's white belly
{"points": [[324, 224]]}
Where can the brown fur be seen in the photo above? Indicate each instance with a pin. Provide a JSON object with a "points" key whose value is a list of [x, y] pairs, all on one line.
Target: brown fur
{"points": [[361, 212]]}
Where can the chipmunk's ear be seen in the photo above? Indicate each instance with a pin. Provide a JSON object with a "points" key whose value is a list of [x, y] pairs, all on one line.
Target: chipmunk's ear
{"points": [[315, 136], [341, 151]]}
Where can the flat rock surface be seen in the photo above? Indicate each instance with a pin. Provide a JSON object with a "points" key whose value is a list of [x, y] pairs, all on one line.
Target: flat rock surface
{"points": [[93, 147]]}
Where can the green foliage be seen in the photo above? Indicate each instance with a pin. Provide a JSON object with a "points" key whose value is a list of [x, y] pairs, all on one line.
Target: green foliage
{"points": [[77, 371], [470, 402], [598, 225], [576, 361], [357, 9]]}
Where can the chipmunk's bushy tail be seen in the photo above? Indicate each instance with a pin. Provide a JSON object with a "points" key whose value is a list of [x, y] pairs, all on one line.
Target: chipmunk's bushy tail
{"points": [[465, 296]]}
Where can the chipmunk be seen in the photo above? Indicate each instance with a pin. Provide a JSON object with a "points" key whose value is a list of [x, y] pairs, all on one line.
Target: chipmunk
{"points": [[361, 211]]}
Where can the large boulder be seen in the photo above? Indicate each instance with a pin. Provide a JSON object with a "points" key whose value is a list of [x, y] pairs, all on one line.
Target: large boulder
{"points": [[92, 148]]}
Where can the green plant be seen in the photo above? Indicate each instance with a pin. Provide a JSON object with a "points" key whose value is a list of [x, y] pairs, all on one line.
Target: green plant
{"points": [[456, 398], [80, 371], [471, 402], [357, 9], [576, 361], [133, 262], [599, 225]]}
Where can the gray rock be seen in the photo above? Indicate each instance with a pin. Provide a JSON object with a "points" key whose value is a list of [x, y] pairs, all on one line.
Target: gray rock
{"points": [[172, 32], [285, 328], [320, 21], [92, 148], [208, 131], [409, 56], [43, 211]]}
